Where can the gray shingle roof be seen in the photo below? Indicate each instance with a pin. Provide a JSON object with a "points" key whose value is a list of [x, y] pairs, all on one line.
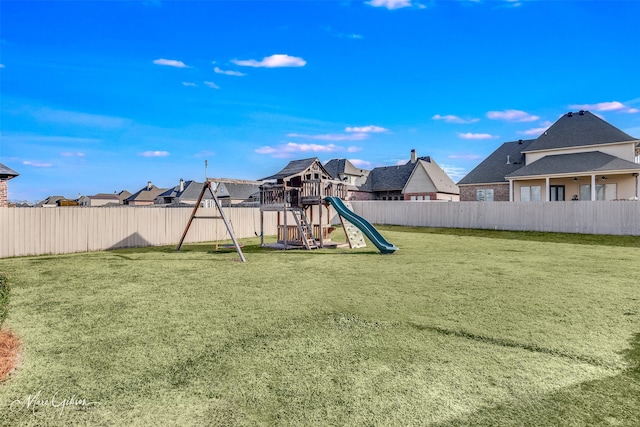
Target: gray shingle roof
{"points": [[390, 178], [579, 129], [495, 167], [7, 172], [440, 179], [294, 167], [192, 190], [241, 191], [335, 167], [589, 162], [146, 194]]}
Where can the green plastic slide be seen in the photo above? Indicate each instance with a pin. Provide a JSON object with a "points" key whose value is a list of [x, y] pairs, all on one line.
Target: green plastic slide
{"points": [[364, 226]]}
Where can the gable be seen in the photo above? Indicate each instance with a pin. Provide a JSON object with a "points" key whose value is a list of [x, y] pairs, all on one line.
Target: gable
{"points": [[579, 129], [298, 168], [505, 160], [439, 180], [583, 163], [419, 181]]}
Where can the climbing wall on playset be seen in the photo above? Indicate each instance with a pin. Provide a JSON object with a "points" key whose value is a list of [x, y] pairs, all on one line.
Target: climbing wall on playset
{"points": [[354, 235]]}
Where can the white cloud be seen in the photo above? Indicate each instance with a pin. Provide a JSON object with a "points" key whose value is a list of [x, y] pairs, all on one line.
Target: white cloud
{"points": [[389, 4], [469, 135], [170, 63], [332, 136], [37, 164], [25, 139], [273, 61], [353, 149], [360, 163], [290, 148], [70, 154], [464, 156], [77, 118], [606, 106], [366, 129], [228, 72], [512, 116], [155, 154], [1, 65], [454, 172], [449, 118], [535, 131], [212, 85], [190, 84]]}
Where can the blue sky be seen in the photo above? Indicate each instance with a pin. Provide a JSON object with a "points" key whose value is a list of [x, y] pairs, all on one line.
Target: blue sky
{"points": [[98, 97]]}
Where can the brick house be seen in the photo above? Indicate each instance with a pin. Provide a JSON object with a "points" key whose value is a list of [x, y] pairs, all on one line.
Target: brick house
{"points": [[579, 157], [418, 179], [6, 174]]}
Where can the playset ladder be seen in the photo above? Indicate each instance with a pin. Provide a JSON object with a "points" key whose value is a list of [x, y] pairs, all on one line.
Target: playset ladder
{"points": [[304, 228], [227, 223]]}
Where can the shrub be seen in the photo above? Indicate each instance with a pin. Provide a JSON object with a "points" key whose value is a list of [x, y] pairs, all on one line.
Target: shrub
{"points": [[4, 298]]}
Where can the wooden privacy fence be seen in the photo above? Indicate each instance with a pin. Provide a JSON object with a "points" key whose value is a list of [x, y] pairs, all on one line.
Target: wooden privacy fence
{"points": [[614, 217], [36, 231]]}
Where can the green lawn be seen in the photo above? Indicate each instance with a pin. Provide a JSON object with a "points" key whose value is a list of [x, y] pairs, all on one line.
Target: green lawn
{"points": [[458, 328]]}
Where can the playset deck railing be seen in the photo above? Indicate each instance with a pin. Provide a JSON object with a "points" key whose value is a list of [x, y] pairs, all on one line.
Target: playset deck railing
{"points": [[311, 192]]}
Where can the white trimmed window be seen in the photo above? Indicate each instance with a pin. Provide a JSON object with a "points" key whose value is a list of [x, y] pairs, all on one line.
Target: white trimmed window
{"points": [[484, 195], [603, 192], [531, 193]]}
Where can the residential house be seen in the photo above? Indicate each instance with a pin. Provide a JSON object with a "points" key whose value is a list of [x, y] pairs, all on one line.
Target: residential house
{"points": [[420, 178], [580, 157], [56, 201], [100, 199], [123, 195], [239, 193], [185, 193], [343, 170], [144, 196], [6, 173]]}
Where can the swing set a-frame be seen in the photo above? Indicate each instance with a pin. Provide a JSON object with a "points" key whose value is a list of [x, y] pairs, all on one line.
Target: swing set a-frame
{"points": [[221, 215]]}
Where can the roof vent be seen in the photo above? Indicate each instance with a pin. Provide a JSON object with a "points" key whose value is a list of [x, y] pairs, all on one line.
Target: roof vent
{"points": [[569, 114], [581, 112], [519, 141], [508, 162]]}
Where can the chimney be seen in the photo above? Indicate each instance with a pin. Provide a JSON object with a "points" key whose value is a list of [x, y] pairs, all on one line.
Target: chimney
{"points": [[414, 156], [148, 185], [181, 185]]}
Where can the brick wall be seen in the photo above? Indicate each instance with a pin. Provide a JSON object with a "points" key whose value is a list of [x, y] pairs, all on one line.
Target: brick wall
{"points": [[3, 193], [500, 192]]}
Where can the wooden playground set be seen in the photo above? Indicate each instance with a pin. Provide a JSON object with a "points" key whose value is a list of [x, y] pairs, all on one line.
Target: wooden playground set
{"points": [[306, 198]]}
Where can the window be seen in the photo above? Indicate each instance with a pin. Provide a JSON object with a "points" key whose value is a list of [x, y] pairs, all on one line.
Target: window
{"points": [[556, 193], [484, 195], [531, 193], [603, 191]]}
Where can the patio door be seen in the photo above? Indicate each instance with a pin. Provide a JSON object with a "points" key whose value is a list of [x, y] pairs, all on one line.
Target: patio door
{"points": [[556, 193]]}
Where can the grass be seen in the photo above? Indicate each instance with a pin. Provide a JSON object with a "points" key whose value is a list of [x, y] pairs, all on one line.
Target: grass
{"points": [[458, 328]]}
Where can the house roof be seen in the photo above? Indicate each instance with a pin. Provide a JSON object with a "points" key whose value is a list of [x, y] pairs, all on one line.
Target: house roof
{"points": [[579, 129], [7, 172], [495, 167], [192, 190], [51, 200], [336, 167], [241, 191], [104, 196], [390, 178], [295, 167], [440, 179], [146, 194], [588, 162]]}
